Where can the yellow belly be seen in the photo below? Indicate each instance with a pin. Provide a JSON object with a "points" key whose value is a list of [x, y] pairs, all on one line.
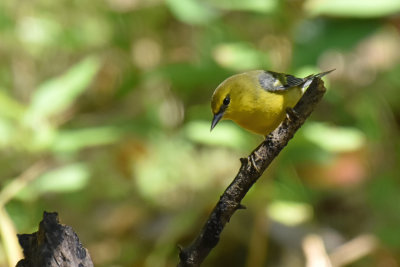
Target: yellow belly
{"points": [[266, 112], [260, 123]]}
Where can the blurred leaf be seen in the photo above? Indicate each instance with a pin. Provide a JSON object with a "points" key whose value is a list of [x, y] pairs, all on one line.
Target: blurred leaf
{"points": [[42, 136], [290, 213], [57, 94], [65, 179], [334, 139], [261, 6], [38, 31], [7, 132], [240, 56], [353, 8], [9, 107], [191, 11], [225, 134], [74, 140]]}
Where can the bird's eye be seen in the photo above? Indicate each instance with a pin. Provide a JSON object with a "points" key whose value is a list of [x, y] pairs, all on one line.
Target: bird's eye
{"points": [[226, 101]]}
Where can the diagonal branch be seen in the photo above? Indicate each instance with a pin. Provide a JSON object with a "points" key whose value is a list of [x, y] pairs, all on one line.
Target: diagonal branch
{"points": [[251, 169]]}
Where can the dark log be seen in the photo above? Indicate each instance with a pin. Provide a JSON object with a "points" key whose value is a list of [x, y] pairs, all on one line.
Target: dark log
{"points": [[54, 245]]}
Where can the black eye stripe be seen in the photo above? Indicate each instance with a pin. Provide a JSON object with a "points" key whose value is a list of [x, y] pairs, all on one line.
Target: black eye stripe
{"points": [[226, 101]]}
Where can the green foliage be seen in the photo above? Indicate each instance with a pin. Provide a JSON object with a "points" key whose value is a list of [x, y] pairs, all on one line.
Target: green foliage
{"points": [[258, 6], [240, 56], [334, 139], [66, 179], [114, 97], [56, 95], [191, 11], [353, 8], [228, 135], [79, 139]]}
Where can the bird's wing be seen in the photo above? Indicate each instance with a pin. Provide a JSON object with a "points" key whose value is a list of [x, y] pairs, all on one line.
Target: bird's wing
{"points": [[274, 81]]}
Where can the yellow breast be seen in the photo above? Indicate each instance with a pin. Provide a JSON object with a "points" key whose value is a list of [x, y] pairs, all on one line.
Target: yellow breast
{"points": [[260, 111]]}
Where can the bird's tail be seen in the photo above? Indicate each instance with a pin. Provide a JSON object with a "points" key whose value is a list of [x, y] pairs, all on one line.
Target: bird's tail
{"points": [[321, 74], [311, 77]]}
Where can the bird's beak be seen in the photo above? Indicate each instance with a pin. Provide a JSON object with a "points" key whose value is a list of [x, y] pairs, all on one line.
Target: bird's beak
{"points": [[216, 119]]}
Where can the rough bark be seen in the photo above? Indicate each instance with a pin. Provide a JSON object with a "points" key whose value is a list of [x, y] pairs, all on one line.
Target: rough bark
{"points": [[54, 245], [251, 169]]}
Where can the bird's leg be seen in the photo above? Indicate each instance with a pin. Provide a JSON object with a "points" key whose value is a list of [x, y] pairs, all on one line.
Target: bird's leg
{"points": [[291, 114]]}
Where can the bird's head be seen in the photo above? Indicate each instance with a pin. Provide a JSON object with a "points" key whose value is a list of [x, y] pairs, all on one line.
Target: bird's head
{"points": [[222, 100]]}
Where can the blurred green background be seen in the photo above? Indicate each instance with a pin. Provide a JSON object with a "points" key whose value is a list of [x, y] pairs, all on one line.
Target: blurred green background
{"points": [[105, 116]]}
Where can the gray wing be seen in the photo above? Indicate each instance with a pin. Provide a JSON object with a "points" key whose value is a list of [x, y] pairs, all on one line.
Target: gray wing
{"points": [[273, 81]]}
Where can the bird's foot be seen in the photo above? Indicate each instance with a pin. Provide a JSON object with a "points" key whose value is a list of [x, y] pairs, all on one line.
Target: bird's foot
{"points": [[253, 158], [291, 114]]}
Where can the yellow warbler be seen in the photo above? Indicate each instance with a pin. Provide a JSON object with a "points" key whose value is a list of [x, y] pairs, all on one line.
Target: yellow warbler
{"points": [[257, 100]]}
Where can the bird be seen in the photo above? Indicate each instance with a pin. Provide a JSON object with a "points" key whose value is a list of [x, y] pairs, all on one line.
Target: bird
{"points": [[257, 100]]}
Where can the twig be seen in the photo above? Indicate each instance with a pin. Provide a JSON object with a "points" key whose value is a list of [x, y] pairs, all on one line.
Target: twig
{"points": [[353, 250], [315, 251], [18, 183], [251, 169], [9, 239], [7, 228]]}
